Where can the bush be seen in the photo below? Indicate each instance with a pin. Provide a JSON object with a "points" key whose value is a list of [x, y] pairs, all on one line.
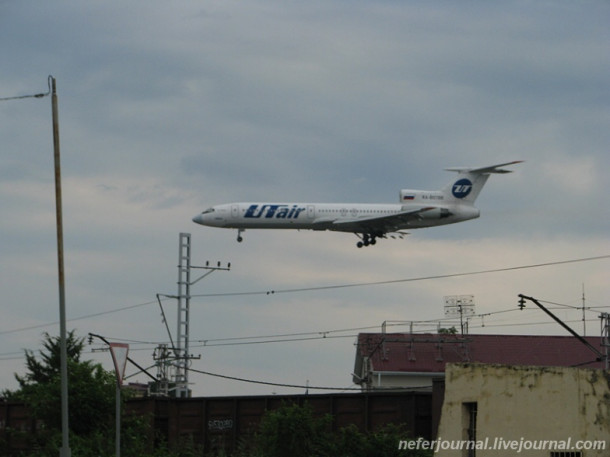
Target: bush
{"points": [[294, 431]]}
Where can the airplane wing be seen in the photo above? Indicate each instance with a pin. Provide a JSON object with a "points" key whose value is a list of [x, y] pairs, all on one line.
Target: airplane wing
{"points": [[374, 224]]}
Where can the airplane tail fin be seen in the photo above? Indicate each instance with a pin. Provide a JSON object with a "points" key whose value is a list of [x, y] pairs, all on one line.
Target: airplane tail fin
{"points": [[470, 181]]}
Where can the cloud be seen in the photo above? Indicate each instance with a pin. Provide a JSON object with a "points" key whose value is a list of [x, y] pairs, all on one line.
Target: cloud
{"points": [[579, 175]]}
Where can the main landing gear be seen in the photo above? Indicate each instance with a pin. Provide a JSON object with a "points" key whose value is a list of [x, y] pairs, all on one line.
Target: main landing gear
{"points": [[366, 239]]}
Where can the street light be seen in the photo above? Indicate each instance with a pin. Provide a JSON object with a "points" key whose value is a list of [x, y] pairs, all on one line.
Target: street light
{"points": [[65, 448]]}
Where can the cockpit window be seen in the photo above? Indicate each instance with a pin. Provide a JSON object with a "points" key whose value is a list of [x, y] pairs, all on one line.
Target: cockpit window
{"points": [[208, 211]]}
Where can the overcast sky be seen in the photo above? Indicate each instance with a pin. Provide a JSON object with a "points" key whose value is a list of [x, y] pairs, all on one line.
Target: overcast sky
{"points": [[167, 108]]}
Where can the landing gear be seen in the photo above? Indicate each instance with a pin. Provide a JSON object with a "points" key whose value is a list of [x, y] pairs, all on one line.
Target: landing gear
{"points": [[366, 240], [239, 237]]}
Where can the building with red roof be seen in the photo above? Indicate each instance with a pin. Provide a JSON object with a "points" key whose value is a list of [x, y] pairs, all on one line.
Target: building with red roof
{"points": [[413, 360]]}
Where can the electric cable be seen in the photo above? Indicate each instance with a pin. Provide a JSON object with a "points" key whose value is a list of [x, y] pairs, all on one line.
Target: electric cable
{"points": [[396, 281], [74, 319], [298, 386], [21, 97], [318, 288]]}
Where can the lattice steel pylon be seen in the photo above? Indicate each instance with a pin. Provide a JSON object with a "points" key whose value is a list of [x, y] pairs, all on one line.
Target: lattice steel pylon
{"points": [[182, 350], [184, 298]]}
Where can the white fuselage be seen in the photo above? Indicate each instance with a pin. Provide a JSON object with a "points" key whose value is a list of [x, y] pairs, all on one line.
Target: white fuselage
{"points": [[325, 216], [369, 221]]}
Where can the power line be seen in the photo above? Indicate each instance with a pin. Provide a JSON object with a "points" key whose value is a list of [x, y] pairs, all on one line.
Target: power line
{"points": [[397, 281], [324, 335], [301, 336], [311, 336], [21, 97], [87, 316], [296, 386], [570, 307], [31, 327], [318, 288], [286, 340], [321, 333], [522, 324]]}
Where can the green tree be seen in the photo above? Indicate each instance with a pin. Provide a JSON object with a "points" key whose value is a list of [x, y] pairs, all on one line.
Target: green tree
{"points": [[292, 430], [44, 371], [91, 394], [91, 401], [91, 388]]}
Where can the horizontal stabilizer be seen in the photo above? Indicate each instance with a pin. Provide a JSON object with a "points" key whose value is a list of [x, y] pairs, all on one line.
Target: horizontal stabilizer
{"points": [[485, 170]]}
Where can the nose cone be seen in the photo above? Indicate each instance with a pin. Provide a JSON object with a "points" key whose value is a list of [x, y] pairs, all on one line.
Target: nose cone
{"points": [[212, 217]]}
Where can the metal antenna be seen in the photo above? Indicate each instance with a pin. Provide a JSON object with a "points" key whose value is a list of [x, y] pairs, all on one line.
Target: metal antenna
{"points": [[462, 305]]}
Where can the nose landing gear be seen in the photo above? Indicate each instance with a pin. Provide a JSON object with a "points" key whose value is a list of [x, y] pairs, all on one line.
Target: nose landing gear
{"points": [[239, 237]]}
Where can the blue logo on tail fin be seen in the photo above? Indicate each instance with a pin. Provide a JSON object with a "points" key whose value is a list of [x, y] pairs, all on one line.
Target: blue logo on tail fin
{"points": [[461, 188]]}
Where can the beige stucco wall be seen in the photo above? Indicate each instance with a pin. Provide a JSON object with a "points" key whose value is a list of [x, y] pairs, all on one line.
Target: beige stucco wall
{"points": [[527, 404]]}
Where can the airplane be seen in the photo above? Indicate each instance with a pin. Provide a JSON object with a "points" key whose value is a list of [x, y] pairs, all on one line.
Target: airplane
{"points": [[368, 221]]}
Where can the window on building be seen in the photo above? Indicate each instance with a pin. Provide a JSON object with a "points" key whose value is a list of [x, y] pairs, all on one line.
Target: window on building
{"points": [[469, 428]]}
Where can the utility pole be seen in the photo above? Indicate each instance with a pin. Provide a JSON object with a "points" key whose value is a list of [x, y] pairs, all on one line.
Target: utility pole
{"points": [[65, 448], [163, 361], [119, 353], [184, 297], [584, 320], [605, 321]]}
